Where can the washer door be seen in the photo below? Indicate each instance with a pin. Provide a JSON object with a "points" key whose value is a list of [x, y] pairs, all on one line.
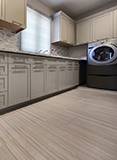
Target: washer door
{"points": [[103, 54]]}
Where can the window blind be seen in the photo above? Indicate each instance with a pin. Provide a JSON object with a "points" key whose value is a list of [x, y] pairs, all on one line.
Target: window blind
{"points": [[36, 36]]}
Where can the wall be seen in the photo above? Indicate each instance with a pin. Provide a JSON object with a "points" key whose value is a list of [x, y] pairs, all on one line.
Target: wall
{"points": [[78, 51], [37, 5], [9, 41]]}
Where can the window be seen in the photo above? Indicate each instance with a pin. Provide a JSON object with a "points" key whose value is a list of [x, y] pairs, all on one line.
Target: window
{"points": [[36, 36]]}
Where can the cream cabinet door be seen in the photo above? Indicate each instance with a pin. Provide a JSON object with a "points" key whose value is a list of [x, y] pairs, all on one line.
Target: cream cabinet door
{"points": [[64, 29], [115, 24], [3, 100], [62, 76], [103, 26], [69, 75], [76, 73], [19, 83], [84, 32], [71, 32], [15, 12], [38, 78], [52, 79], [2, 9]]}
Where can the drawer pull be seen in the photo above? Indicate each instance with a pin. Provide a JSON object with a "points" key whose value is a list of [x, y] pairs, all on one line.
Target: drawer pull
{"points": [[38, 71], [18, 72]]}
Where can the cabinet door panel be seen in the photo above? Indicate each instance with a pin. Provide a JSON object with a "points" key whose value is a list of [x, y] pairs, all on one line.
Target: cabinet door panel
{"points": [[3, 83], [71, 33], [64, 28], [3, 58], [17, 13], [62, 78], [19, 83], [76, 74], [69, 77], [52, 79], [103, 26], [3, 100], [115, 24], [2, 9], [3, 69], [37, 81], [84, 32]]}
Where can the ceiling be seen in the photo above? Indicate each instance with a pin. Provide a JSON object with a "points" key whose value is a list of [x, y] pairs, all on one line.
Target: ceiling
{"points": [[78, 8]]}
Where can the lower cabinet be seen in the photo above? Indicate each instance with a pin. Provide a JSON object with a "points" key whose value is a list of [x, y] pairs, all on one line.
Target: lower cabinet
{"points": [[52, 78], [62, 76], [26, 78], [3, 100], [38, 77], [69, 76], [76, 73], [3, 83], [19, 83]]}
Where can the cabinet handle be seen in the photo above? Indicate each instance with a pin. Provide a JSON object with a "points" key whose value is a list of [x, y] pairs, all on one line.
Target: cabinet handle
{"points": [[37, 70], [16, 23], [17, 68], [18, 72], [52, 70]]}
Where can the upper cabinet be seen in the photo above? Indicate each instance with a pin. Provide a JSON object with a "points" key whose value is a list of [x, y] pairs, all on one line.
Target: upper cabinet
{"points": [[13, 14], [63, 29], [84, 31], [103, 26], [115, 24], [97, 27]]}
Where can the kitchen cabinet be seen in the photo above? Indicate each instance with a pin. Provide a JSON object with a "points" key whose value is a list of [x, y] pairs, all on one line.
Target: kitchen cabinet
{"points": [[76, 73], [115, 23], [84, 31], [3, 81], [69, 76], [19, 83], [63, 29], [25, 77], [38, 78], [3, 100], [1, 9], [52, 77], [62, 75], [103, 26], [13, 18]]}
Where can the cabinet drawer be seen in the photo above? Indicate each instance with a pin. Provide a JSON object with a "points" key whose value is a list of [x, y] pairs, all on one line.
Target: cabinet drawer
{"points": [[19, 59], [52, 62], [37, 60], [3, 83], [3, 100], [3, 58], [3, 69]]}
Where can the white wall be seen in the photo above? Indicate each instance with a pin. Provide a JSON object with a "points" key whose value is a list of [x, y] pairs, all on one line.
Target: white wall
{"points": [[78, 51], [37, 5]]}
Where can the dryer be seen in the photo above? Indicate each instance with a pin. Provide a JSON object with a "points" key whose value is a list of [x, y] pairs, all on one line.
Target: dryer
{"points": [[102, 64]]}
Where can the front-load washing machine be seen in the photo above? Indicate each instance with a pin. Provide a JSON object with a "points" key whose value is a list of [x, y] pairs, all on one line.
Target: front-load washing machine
{"points": [[102, 64]]}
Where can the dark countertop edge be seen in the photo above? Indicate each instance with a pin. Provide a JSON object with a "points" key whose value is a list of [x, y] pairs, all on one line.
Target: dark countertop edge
{"points": [[39, 55]]}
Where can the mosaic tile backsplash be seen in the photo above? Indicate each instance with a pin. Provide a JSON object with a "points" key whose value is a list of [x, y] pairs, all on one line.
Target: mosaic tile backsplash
{"points": [[11, 42]]}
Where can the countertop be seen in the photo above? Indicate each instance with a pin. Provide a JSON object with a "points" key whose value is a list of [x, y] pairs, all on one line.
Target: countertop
{"points": [[41, 55]]}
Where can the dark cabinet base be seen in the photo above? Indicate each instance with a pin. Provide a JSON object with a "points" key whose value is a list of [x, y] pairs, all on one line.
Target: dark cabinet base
{"points": [[102, 82]]}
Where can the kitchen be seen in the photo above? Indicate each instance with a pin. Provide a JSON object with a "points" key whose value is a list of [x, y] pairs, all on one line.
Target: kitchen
{"points": [[58, 80]]}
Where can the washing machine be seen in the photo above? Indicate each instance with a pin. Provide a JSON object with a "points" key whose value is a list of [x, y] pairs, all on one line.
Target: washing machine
{"points": [[102, 64]]}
